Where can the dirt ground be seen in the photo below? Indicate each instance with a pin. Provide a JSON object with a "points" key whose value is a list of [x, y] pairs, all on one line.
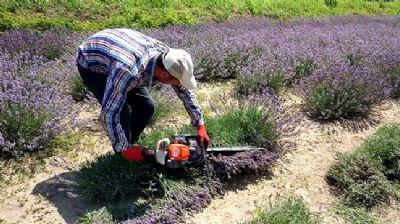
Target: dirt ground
{"points": [[49, 196]]}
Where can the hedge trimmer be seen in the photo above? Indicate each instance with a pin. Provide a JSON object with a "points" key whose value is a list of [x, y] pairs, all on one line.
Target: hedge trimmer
{"points": [[182, 150]]}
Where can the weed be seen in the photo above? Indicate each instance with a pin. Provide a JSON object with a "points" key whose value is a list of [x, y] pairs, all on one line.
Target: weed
{"points": [[331, 3]]}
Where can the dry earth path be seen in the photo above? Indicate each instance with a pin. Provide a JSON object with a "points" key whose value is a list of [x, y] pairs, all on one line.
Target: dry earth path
{"points": [[301, 172]]}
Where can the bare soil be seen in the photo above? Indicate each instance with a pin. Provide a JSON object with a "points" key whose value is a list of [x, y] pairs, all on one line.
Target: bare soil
{"points": [[49, 196]]}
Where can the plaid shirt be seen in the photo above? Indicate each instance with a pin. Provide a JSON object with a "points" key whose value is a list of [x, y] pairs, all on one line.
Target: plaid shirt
{"points": [[129, 58]]}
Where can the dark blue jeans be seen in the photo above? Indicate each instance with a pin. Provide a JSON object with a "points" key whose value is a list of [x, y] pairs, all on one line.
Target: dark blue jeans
{"points": [[138, 108]]}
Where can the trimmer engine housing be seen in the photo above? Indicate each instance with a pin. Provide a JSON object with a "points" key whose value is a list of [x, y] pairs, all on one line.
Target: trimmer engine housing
{"points": [[179, 151]]}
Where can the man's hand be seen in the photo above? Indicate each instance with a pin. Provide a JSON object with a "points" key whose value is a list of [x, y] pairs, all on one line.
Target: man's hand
{"points": [[133, 153], [204, 140]]}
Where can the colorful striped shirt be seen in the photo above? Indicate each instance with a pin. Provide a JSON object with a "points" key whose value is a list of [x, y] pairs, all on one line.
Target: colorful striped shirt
{"points": [[128, 58]]}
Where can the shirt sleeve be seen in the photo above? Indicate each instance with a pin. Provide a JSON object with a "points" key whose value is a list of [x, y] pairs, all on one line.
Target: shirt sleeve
{"points": [[191, 104], [118, 82]]}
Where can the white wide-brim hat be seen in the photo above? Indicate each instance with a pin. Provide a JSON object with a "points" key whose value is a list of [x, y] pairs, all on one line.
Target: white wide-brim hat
{"points": [[179, 64]]}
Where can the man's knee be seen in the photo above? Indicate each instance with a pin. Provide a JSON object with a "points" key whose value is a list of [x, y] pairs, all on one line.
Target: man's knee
{"points": [[141, 102]]}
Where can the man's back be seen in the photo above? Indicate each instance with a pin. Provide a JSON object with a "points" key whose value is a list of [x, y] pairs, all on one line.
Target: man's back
{"points": [[129, 47]]}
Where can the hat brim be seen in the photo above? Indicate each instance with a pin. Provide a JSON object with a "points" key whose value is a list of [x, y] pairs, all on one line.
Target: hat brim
{"points": [[189, 82]]}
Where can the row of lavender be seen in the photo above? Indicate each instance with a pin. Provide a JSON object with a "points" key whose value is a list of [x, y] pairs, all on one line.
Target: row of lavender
{"points": [[259, 46], [340, 66]]}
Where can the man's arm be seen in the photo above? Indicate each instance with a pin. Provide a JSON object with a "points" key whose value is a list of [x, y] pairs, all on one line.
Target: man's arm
{"points": [[191, 104], [118, 82]]}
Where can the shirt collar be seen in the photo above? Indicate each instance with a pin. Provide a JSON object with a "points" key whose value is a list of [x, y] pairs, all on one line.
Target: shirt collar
{"points": [[150, 68]]}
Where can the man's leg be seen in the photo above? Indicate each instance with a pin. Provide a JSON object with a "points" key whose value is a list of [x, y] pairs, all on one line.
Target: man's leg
{"points": [[142, 109], [96, 83]]}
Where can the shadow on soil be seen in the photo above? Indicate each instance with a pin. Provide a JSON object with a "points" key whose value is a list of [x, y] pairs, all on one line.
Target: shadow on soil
{"points": [[354, 125], [61, 191], [242, 182]]}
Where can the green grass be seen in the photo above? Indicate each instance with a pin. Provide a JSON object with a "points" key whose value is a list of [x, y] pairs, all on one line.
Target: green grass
{"points": [[384, 148], [244, 125], [370, 175], [97, 14], [288, 211], [165, 105], [98, 216], [256, 84]]}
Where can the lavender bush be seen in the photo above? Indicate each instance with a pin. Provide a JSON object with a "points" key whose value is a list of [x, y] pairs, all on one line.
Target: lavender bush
{"points": [[37, 69], [261, 53], [342, 91], [258, 83], [32, 102], [182, 198], [251, 49], [96, 183], [194, 199], [370, 175]]}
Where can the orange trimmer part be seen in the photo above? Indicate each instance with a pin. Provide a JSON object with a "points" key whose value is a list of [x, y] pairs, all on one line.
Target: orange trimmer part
{"points": [[179, 152]]}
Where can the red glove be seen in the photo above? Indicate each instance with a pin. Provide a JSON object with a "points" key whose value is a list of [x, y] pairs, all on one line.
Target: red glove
{"points": [[133, 153], [203, 136]]}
